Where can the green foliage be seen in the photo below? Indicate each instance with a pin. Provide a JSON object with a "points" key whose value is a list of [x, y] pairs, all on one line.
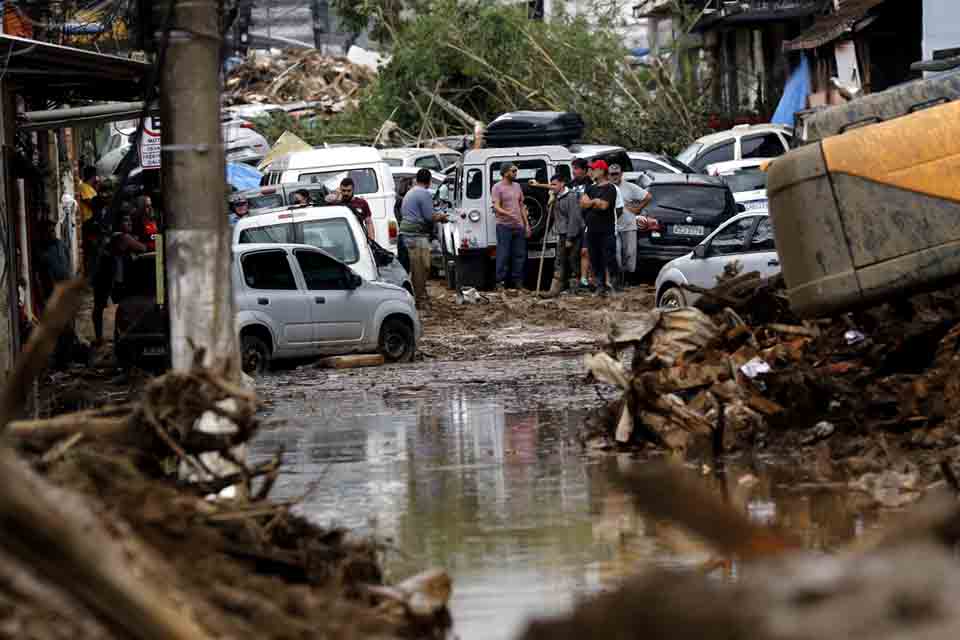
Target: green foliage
{"points": [[487, 59]]}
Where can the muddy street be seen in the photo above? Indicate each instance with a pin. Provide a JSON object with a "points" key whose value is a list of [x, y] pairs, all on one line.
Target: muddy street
{"points": [[475, 466]]}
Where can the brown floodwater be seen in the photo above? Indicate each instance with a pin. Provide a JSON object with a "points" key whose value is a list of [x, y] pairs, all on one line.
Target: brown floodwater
{"points": [[491, 484]]}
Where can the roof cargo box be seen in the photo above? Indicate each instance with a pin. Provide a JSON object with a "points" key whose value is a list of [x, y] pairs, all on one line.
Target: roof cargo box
{"points": [[534, 128], [897, 101], [869, 215]]}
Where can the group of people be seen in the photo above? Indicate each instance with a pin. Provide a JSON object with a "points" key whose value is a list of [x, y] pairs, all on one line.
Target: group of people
{"points": [[112, 234], [597, 217]]}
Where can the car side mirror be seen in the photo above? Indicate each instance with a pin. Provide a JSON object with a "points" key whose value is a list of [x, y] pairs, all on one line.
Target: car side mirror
{"points": [[700, 251], [741, 207], [354, 281]]}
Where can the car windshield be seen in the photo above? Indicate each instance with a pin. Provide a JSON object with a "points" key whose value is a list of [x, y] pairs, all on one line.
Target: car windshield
{"points": [[676, 164], [394, 162], [746, 180], [364, 180], [333, 236], [690, 153], [265, 201], [690, 198]]}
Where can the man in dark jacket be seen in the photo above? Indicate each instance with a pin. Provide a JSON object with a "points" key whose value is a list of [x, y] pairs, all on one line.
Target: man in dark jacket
{"points": [[565, 210]]}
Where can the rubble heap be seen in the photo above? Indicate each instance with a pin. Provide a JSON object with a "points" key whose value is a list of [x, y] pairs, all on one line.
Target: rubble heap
{"points": [[295, 75], [739, 372]]}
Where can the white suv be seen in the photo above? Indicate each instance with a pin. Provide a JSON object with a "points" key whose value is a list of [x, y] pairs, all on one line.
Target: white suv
{"points": [[297, 301], [743, 142]]}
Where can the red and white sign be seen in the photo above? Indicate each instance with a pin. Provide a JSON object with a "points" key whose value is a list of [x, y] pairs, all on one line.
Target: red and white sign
{"points": [[150, 144]]}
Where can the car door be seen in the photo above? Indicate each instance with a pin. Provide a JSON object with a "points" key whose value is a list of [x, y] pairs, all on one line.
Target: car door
{"points": [[761, 254], [764, 145], [273, 291], [727, 246], [338, 311]]}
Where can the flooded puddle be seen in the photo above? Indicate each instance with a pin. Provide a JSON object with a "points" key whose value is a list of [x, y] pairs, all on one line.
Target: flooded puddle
{"points": [[500, 493]]}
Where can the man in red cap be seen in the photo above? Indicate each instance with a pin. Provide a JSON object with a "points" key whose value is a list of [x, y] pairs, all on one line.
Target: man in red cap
{"points": [[599, 205]]}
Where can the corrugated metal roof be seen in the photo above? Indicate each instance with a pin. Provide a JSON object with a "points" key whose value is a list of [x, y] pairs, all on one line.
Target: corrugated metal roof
{"points": [[828, 28]]}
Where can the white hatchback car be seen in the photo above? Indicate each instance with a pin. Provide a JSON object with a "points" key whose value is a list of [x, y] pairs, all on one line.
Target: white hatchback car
{"points": [[297, 301], [746, 238], [743, 142]]}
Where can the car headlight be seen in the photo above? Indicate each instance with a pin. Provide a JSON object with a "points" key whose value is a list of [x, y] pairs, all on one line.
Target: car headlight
{"points": [[474, 216]]}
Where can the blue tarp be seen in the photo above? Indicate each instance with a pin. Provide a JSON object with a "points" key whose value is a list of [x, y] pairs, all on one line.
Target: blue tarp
{"points": [[242, 176], [639, 52], [794, 94]]}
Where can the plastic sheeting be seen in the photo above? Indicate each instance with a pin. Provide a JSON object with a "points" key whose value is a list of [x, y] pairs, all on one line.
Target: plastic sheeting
{"points": [[242, 176], [794, 94]]}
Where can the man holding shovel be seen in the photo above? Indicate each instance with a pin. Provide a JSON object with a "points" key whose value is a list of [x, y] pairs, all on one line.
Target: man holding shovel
{"points": [[564, 208]]}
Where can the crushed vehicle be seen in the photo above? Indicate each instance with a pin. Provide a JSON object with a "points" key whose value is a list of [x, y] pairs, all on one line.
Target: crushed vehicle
{"points": [[333, 228], [435, 159], [296, 301], [328, 166], [747, 180], [743, 142], [868, 209], [745, 243], [685, 209]]}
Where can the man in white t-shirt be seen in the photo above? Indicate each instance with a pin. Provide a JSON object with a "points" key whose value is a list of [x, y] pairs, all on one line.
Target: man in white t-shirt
{"points": [[631, 200]]}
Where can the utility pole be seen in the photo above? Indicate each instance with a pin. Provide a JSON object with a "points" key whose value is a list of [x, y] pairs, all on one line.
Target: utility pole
{"points": [[197, 239]]}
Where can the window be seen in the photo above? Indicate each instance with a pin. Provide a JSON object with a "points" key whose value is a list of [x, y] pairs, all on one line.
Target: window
{"points": [[320, 272], [394, 162], [270, 201], [271, 234], [527, 170], [317, 194], [448, 159], [720, 153], [767, 145], [333, 236], [428, 162], [689, 154], [689, 199], [268, 270], [364, 180], [650, 167], [474, 184], [746, 180], [763, 236], [733, 237]]}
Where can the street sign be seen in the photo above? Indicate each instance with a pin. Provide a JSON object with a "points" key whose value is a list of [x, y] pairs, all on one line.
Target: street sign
{"points": [[150, 144]]}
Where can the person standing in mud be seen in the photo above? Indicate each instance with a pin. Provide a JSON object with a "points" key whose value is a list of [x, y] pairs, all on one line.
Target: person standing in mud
{"points": [[633, 200], [582, 180], [416, 227], [513, 228], [599, 204], [565, 209]]}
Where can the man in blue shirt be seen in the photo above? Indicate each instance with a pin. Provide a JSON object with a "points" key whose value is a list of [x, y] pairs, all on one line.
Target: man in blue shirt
{"points": [[416, 227]]}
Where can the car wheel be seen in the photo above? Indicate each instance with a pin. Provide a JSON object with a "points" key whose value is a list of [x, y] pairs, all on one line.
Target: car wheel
{"points": [[672, 298], [254, 355], [397, 343]]}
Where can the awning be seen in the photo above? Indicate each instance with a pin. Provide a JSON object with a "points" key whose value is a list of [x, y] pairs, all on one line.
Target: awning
{"points": [[74, 116], [66, 74], [828, 28], [741, 15]]}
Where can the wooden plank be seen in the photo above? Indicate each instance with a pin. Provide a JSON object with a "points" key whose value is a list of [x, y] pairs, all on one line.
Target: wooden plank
{"points": [[351, 362]]}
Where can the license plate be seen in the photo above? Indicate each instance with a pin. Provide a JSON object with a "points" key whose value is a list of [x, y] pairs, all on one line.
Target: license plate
{"points": [[549, 253], [755, 204], [688, 230]]}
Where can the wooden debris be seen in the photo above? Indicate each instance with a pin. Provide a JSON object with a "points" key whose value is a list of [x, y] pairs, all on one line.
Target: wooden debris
{"points": [[351, 362]]}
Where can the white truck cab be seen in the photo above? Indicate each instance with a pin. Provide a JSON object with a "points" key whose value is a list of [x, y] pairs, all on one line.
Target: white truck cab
{"points": [[328, 166]]}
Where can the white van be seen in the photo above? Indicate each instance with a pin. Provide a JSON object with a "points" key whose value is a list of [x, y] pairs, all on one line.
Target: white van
{"points": [[371, 177], [332, 228]]}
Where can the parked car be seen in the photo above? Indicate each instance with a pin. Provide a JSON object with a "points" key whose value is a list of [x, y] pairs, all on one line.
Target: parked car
{"points": [[685, 208], [370, 173], [747, 180], [297, 301], [656, 163], [257, 228], [266, 199], [420, 157], [242, 143], [743, 142], [746, 238]]}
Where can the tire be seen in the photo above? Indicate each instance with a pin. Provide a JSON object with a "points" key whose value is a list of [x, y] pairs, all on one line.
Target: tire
{"points": [[672, 298], [254, 355], [537, 216], [397, 342]]}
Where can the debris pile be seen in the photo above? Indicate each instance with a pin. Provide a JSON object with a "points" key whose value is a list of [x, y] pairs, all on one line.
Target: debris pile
{"points": [[737, 371], [332, 83], [110, 526]]}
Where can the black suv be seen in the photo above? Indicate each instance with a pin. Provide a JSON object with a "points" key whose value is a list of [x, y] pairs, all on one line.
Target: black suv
{"points": [[686, 208]]}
